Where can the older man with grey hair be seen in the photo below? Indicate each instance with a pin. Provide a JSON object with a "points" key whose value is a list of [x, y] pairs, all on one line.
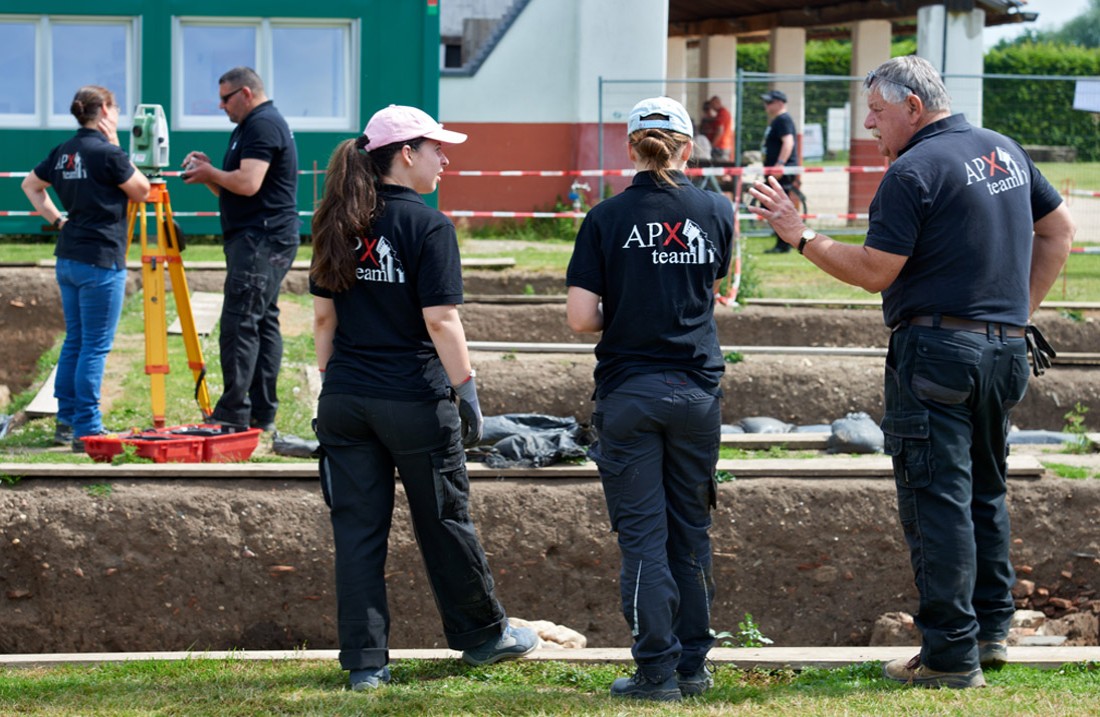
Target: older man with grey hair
{"points": [[965, 239]]}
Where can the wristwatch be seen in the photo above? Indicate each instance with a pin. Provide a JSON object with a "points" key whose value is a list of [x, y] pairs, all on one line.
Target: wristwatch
{"points": [[808, 235]]}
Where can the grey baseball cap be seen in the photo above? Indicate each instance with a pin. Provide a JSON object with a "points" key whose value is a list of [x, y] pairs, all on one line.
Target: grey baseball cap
{"points": [[675, 117]]}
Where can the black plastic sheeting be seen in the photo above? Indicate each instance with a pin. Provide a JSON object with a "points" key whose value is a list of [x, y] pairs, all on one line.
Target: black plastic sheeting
{"points": [[531, 440]]}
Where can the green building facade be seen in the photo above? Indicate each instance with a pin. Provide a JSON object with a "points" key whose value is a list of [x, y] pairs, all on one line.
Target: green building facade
{"points": [[328, 65]]}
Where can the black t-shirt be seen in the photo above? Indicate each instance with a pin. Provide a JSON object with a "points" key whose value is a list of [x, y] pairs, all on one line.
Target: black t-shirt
{"points": [[777, 129], [961, 202], [262, 135], [86, 172], [653, 253], [410, 261]]}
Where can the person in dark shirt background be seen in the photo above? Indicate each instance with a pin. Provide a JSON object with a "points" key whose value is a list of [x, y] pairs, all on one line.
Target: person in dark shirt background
{"points": [[257, 189]]}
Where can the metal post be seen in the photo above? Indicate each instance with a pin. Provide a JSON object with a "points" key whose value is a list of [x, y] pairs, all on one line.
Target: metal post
{"points": [[740, 116], [599, 130]]}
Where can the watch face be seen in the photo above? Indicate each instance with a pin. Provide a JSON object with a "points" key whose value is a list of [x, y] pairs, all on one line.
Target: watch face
{"points": [[809, 234]]}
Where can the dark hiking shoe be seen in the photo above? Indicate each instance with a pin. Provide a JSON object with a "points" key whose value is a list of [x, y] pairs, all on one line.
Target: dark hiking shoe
{"points": [[639, 688], [695, 683], [513, 643], [992, 653], [912, 672], [369, 679], [62, 434], [78, 443]]}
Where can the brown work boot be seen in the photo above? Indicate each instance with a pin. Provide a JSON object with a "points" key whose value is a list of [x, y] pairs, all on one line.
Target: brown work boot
{"points": [[912, 672], [992, 653]]}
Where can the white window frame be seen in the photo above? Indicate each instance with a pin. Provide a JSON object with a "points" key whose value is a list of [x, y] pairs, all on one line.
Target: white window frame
{"points": [[43, 116], [264, 65]]}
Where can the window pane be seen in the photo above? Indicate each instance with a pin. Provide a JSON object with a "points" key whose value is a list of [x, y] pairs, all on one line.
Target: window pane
{"points": [[208, 52], [310, 71], [88, 55], [17, 58]]}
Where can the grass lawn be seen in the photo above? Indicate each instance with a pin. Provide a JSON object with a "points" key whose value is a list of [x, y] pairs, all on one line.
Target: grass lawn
{"points": [[447, 687]]}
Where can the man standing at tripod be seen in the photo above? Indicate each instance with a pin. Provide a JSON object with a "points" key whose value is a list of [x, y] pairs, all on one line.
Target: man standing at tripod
{"points": [[257, 190]]}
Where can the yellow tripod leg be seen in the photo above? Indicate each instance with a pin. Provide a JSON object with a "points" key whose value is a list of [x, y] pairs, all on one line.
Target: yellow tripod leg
{"points": [[183, 308], [156, 323]]}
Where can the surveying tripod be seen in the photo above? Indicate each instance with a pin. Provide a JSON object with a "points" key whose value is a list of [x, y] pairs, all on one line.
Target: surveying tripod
{"points": [[164, 253]]}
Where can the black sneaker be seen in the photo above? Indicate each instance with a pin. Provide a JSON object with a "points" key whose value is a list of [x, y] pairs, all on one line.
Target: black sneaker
{"points": [[638, 687], [368, 679], [62, 434], [513, 643], [693, 684], [78, 443], [781, 248], [265, 426]]}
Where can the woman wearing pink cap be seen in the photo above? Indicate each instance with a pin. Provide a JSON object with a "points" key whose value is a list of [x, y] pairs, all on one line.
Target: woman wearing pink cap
{"points": [[398, 392]]}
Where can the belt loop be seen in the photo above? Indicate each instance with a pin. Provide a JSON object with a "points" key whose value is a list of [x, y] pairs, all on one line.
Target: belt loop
{"points": [[936, 320], [991, 330]]}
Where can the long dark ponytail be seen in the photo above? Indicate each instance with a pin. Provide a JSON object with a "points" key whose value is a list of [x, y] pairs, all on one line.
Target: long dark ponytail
{"points": [[348, 207]]}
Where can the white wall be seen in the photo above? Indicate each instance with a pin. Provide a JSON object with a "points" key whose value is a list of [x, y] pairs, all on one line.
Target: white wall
{"points": [[453, 12], [546, 67]]}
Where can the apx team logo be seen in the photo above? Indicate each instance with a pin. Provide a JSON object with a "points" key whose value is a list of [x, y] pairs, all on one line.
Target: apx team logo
{"points": [[999, 171], [672, 242], [378, 261], [71, 166]]}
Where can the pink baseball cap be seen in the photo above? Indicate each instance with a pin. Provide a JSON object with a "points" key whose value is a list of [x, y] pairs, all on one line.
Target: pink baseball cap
{"points": [[398, 123]]}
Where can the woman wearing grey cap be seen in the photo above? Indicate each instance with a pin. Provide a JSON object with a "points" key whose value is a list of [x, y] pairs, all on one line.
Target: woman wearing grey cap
{"points": [[643, 274]]}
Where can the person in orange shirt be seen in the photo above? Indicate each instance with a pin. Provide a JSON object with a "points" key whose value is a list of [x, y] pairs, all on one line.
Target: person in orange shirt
{"points": [[722, 142]]}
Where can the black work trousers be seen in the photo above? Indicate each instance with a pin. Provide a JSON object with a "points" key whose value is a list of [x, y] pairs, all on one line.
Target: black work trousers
{"points": [[364, 439], [251, 343]]}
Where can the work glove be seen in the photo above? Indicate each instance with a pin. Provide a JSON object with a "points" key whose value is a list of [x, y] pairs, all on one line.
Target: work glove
{"points": [[469, 412], [1039, 351]]}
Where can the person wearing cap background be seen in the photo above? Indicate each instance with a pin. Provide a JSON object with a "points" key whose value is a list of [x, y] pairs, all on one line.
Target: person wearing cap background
{"points": [[965, 238], [644, 271], [780, 148], [398, 392], [257, 189]]}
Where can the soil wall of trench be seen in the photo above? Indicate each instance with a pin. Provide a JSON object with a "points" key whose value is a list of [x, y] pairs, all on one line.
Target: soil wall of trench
{"points": [[175, 564]]}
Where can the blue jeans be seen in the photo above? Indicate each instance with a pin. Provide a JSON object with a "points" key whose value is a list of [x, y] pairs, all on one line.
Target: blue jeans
{"points": [[948, 396], [363, 440], [657, 451], [91, 298], [250, 342]]}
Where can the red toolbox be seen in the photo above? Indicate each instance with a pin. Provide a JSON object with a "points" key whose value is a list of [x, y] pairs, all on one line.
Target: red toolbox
{"points": [[157, 447], [220, 444]]}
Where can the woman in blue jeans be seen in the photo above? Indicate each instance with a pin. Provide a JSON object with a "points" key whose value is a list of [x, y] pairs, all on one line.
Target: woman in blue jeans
{"points": [[644, 273], [95, 181]]}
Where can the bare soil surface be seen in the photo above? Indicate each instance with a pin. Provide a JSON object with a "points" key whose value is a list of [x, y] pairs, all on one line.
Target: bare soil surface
{"points": [[177, 564]]}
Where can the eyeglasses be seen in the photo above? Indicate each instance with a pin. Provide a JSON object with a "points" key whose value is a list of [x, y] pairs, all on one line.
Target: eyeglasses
{"points": [[226, 98], [871, 76]]}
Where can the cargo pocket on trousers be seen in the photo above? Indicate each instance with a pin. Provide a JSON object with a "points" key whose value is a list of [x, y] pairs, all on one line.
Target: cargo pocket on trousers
{"points": [[244, 293], [906, 441], [452, 485], [326, 476]]}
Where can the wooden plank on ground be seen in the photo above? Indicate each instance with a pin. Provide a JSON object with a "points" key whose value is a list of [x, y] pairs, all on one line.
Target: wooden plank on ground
{"points": [[764, 441], [302, 265], [44, 403], [206, 309], [741, 658], [584, 348], [514, 298], [824, 467]]}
